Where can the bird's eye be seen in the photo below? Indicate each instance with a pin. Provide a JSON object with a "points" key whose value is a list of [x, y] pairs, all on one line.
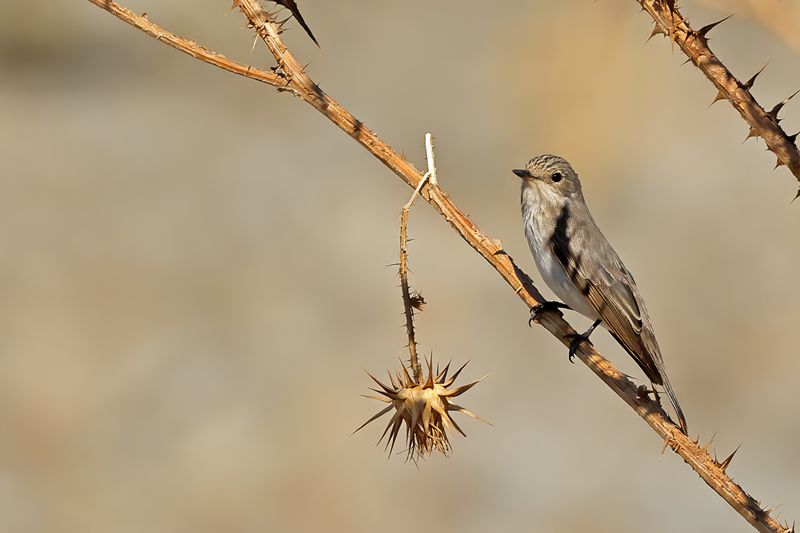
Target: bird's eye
{"points": [[556, 176]]}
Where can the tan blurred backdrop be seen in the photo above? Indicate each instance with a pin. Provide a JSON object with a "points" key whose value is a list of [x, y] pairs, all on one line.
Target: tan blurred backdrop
{"points": [[194, 273]]}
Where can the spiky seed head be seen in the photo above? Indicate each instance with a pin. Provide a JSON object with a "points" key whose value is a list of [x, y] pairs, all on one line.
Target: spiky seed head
{"points": [[423, 407]]}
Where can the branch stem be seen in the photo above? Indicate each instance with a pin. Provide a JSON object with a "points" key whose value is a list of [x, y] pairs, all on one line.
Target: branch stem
{"points": [[408, 308]]}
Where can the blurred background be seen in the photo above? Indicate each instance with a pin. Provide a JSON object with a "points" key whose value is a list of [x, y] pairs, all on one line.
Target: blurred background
{"points": [[194, 269]]}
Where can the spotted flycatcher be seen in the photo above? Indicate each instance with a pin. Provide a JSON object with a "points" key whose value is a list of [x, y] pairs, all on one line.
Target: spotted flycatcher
{"points": [[580, 266]]}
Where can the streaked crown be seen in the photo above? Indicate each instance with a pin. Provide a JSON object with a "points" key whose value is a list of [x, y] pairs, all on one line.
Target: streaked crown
{"points": [[548, 163]]}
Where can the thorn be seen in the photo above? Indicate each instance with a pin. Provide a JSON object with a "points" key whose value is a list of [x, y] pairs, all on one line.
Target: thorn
{"points": [[707, 28], [688, 60], [796, 196], [709, 442], [724, 464], [749, 83], [751, 133], [773, 113], [384, 387], [430, 383], [793, 138], [406, 375], [720, 96], [778, 163], [656, 31], [768, 510]]}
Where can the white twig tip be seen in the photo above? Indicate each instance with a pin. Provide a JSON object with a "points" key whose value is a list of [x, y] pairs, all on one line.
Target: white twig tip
{"points": [[431, 160]]}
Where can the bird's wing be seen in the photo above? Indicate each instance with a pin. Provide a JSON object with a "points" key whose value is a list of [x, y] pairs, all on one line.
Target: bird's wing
{"points": [[598, 272]]}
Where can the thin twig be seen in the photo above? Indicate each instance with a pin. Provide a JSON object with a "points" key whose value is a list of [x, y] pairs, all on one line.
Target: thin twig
{"points": [[694, 44], [409, 303], [491, 250]]}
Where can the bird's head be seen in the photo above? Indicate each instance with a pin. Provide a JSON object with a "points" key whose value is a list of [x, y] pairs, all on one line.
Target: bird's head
{"points": [[551, 176]]}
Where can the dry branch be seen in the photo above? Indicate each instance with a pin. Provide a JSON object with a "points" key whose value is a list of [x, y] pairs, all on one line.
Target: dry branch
{"points": [[408, 304], [491, 250], [416, 301], [694, 44]]}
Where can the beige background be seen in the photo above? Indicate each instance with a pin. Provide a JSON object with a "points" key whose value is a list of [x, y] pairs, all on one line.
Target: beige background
{"points": [[194, 275]]}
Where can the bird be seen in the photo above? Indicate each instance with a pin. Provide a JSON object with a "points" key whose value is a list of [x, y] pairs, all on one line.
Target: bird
{"points": [[291, 5], [580, 266]]}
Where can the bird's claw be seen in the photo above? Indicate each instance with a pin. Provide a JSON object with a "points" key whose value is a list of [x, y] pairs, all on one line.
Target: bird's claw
{"points": [[575, 340], [538, 309], [644, 392]]}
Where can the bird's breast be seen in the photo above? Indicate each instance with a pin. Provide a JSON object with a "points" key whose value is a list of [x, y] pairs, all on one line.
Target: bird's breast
{"points": [[538, 231]]}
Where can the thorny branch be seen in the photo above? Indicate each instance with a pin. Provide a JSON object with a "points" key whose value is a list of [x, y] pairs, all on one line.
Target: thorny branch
{"points": [[300, 84], [409, 302], [415, 301], [694, 44]]}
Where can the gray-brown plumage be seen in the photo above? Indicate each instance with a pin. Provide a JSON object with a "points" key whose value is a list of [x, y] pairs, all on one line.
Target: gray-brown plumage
{"points": [[580, 266], [291, 5]]}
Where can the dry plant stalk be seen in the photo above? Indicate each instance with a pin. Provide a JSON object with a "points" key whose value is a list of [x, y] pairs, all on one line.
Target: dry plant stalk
{"points": [[694, 44], [410, 302], [295, 80]]}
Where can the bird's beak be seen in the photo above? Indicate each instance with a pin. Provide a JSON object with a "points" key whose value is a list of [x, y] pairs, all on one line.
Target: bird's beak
{"points": [[522, 173]]}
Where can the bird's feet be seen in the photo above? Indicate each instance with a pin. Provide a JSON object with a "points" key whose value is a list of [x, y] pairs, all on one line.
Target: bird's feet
{"points": [[575, 340], [538, 309], [644, 393]]}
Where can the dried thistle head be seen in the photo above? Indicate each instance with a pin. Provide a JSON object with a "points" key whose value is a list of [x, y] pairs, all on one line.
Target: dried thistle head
{"points": [[423, 406]]}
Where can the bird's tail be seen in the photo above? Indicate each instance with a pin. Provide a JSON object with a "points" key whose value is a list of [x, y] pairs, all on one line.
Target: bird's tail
{"points": [[674, 401]]}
